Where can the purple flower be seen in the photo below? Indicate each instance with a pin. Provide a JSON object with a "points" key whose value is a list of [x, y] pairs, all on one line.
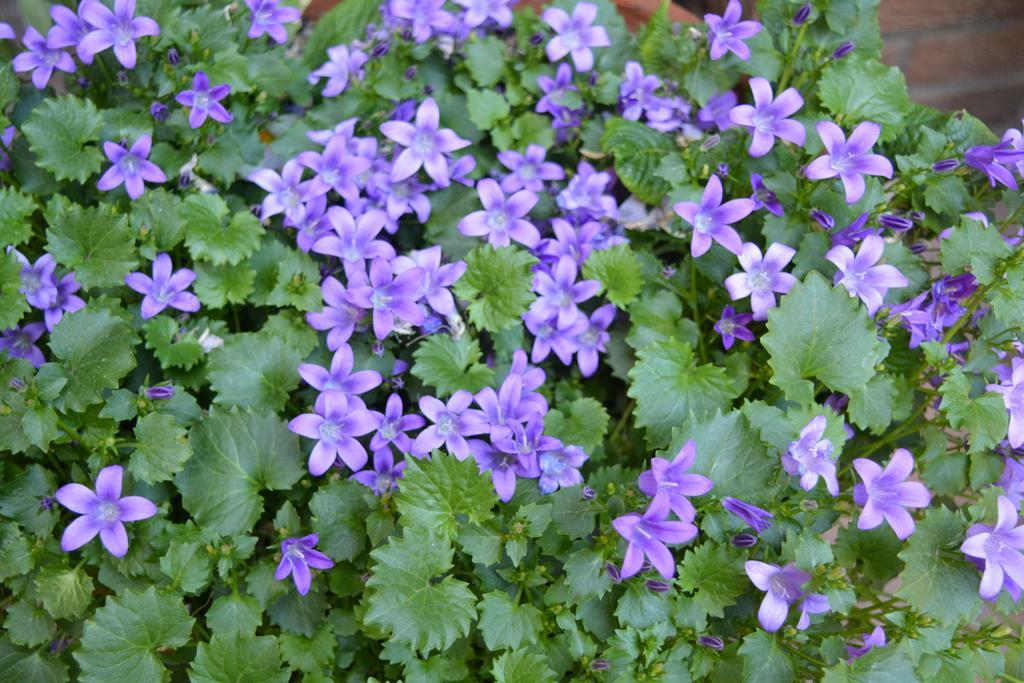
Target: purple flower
{"points": [[762, 277], [558, 292], [336, 169], [548, 338], [130, 167], [593, 336], [844, 49], [42, 57], [6, 32], [992, 160], [285, 192], [810, 456], [69, 29], [20, 342], [1012, 390], [37, 283], [103, 512], [502, 220], [388, 295], [354, 240], [393, 427], [385, 474], [783, 587], [647, 535], [311, 223], [768, 119], [849, 159], [885, 493], [528, 169], [585, 194], [555, 89], [875, 639], [341, 66], [726, 33], [711, 219], [716, 114], [637, 92], [437, 278], [859, 274], [505, 467], [576, 243], [452, 423], [732, 326], [1000, 549], [575, 35], [425, 143], [479, 11], [559, 468], [204, 101], [756, 518], [425, 17], [673, 482], [297, 556], [340, 377], [339, 316], [268, 18], [1012, 481], [335, 424], [763, 197], [65, 302], [164, 288], [118, 29]]}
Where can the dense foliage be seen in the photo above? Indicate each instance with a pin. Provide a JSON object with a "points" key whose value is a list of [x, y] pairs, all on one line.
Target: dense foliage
{"points": [[434, 342]]}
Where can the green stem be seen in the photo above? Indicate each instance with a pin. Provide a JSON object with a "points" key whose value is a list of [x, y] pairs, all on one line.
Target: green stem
{"points": [[791, 58]]}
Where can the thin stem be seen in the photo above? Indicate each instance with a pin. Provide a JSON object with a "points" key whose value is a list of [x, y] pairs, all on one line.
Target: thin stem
{"points": [[791, 57]]}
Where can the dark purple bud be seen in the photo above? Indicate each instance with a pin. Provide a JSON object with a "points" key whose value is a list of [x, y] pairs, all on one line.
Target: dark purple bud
{"points": [[173, 58], [744, 540], [17, 383], [823, 219], [897, 223], [588, 493], [410, 73], [160, 393], [918, 247], [844, 49], [916, 216], [946, 165], [600, 664], [378, 349], [407, 35], [428, 89], [752, 515], [656, 586], [713, 642], [184, 180], [537, 38], [122, 77], [60, 644], [722, 171], [710, 141], [404, 111], [613, 572], [837, 402], [380, 49], [800, 18], [46, 503], [83, 82], [592, 78], [158, 110], [499, 88], [668, 272]]}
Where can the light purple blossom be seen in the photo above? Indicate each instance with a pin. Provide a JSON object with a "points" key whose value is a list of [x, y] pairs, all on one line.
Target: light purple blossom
{"points": [[528, 170], [297, 556], [204, 101], [336, 168], [41, 58], [311, 223], [673, 481], [285, 192], [711, 219], [732, 326], [479, 11], [354, 240], [559, 292], [339, 316], [758, 519], [1012, 390], [592, 337], [394, 425], [505, 467], [6, 32], [768, 118], [575, 34], [859, 274], [342, 66], [996, 162], [648, 534], [103, 512], [885, 494], [165, 288], [388, 295], [875, 639], [335, 424], [571, 241], [340, 377], [851, 159], [1012, 481], [548, 338], [425, 143], [66, 302], [763, 197], [130, 167], [1000, 548], [452, 423], [586, 194], [503, 219], [269, 18], [425, 17], [716, 112], [69, 29], [783, 587], [810, 456], [438, 278], [505, 406], [118, 29], [727, 32], [559, 468], [384, 476], [555, 89], [637, 92], [762, 277], [37, 282], [20, 342]]}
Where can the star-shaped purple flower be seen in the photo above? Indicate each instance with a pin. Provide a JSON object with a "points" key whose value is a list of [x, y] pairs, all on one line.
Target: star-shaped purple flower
{"points": [[1000, 547], [783, 587], [575, 34], [768, 118], [503, 219], [762, 277], [764, 198], [810, 457], [341, 67], [37, 282], [66, 302], [859, 274], [528, 170], [711, 219], [394, 425], [297, 556], [673, 481], [505, 467], [41, 58], [1011, 481], [130, 167], [851, 159], [285, 192], [439, 278], [165, 288], [648, 534], [1012, 391], [340, 377], [885, 494], [425, 17], [204, 101], [336, 169], [559, 468], [354, 241], [559, 292], [388, 295], [479, 11], [727, 32], [732, 326], [69, 29], [452, 423], [996, 162], [118, 29], [335, 424], [593, 335], [384, 476], [425, 143], [269, 17], [20, 342], [339, 316], [103, 512]]}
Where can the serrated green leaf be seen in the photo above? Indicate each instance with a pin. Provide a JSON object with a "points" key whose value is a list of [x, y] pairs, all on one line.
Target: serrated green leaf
{"points": [[15, 209], [1007, 301], [871, 407], [234, 612], [807, 549], [440, 493], [482, 542], [94, 242], [61, 132], [309, 654], [239, 658], [15, 552], [26, 624], [21, 494], [730, 454], [983, 417], [12, 302], [217, 286], [65, 593], [571, 514], [339, 516], [973, 244], [714, 575], [638, 150], [172, 346], [946, 195], [485, 60], [498, 286], [874, 551], [618, 271], [97, 350], [162, 448], [448, 364], [253, 371], [487, 108], [188, 566], [211, 236], [156, 216], [520, 666], [505, 624], [19, 664], [585, 574], [583, 423], [862, 89], [764, 659]]}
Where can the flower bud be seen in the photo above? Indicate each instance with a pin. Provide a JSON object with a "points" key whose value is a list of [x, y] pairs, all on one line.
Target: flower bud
{"points": [[588, 493], [160, 393], [613, 572], [897, 223], [946, 165], [802, 14], [712, 642], [743, 540], [173, 58], [710, 141], [158, 110], [600, 664], [656, 586], [844, 49], [823, 219]]}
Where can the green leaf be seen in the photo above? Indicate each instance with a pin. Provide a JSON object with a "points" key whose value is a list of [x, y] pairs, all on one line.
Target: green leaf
{"points": [[819, 332], [234, 612], [156, 215], [94, 242], [187, 565], [236, 454], [976, 245], [339, 516], [412, 603], [947, 195], [16, 552], [173, 346], [97, 350], [12, 302], [871, 407], [938, 579], [487, 108], [26, 624], [618, 271], [217, 287], [882, 665], [520, 666], [485, 60], [345, 22], [162, 449], [874, 551], [30, 666], [441, 493], [121, 639], [506, 624], [60, 133], [238, 658], [729, 453], [311, 655], [670, 388], [497, 284], [65, 593], [585, 574], [714, 575], [15, 209], [482, 542], [583, 423], [20, 496], [983, 417], [638, 150], [448, 364], [764, 660], [571, 514], [254, 371], [1007, 302], [862, 89], [807, 549], [208, 237]]}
